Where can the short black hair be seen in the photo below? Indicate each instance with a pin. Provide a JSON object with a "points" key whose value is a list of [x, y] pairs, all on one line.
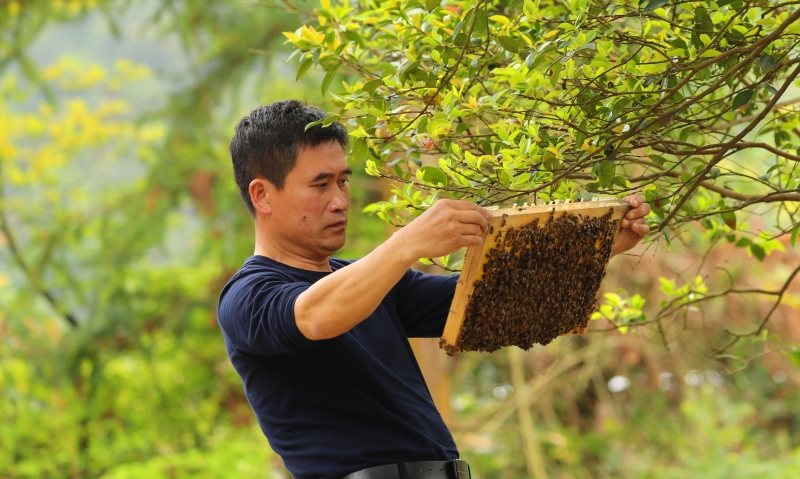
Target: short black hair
{"points": [[267, 141]]}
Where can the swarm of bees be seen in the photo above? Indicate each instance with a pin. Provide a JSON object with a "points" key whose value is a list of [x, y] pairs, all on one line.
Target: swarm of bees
{"points": [[539, 281]]}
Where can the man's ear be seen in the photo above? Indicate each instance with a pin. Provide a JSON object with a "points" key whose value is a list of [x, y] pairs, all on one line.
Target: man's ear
{"points": [[261, 192]]}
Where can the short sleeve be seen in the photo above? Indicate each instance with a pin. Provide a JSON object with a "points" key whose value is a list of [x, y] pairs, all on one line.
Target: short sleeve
{"points": [[257, 314], [423, 303]]}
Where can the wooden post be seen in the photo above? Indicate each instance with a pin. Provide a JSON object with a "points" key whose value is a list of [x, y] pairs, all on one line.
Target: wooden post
{"points": [[434, 364]]}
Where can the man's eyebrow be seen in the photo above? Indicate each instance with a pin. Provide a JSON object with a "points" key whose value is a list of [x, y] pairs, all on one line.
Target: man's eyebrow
{"points": [[328, 174]]}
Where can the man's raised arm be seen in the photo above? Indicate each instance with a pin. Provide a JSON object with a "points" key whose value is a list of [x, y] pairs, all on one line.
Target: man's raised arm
{"points": [[341, 300]]}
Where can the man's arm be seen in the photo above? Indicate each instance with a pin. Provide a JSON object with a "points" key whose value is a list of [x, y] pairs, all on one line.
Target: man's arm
{"points": [[341, 300]]}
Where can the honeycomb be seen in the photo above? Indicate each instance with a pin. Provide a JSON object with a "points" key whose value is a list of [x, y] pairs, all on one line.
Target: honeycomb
{"points": [[539, 281]]}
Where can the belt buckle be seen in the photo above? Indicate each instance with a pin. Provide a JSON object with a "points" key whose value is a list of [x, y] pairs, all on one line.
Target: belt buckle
{"points": [[461, 469]]}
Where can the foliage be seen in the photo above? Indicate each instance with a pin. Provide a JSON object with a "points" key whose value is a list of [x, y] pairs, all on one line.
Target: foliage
{"points": [[125, 224], [119, 225], [94, 299], [111, 252], [664, 423], [500, 101]]}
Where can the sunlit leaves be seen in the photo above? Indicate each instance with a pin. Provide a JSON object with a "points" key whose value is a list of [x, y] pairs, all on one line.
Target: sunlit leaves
{"points": [[497, 95], [621, 311]]}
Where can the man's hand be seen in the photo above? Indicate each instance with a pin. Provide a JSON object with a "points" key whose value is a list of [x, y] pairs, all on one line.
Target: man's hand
{"points": [[446, 227], [633, 227]]}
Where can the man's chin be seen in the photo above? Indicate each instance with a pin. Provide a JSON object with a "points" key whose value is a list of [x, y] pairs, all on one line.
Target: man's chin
{"points": [[334, 244]]}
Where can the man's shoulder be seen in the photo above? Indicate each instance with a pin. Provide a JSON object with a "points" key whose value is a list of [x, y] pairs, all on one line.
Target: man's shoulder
{"points": [[260, 268], [259, 271]]}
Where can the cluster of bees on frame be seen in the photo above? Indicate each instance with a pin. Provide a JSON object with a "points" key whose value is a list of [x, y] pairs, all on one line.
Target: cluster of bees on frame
{"points": [[539, 282]]}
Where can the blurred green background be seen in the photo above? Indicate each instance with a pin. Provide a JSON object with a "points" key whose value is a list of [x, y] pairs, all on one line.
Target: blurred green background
{"points": [[121, 223]]}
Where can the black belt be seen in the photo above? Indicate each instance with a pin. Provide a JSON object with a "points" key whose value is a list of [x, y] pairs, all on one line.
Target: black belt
{"points": [[456, 469]]}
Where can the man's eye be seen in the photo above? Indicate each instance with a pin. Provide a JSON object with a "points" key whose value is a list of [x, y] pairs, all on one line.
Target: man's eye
{"points": [[344, 182], [320, 185]]}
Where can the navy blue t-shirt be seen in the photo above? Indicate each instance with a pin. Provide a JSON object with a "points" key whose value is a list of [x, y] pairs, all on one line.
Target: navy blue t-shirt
{"points": [[335, 406]]}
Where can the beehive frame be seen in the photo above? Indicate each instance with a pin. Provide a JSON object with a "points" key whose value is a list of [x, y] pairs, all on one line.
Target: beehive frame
{"points": [[509, 222]]}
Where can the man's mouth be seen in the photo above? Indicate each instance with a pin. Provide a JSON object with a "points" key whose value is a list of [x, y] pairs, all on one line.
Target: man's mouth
{"points": [[338, 225]]}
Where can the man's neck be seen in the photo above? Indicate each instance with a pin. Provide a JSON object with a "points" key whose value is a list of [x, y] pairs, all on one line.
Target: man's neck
{"points": [[267, 246]]}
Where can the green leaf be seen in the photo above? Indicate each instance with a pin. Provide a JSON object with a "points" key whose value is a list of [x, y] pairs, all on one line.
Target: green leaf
{"points": [[371, 85], [529, 60], [654, 4], [742, 98], [710, 53], [481, 22], [769, 88], [326, 82], [529, 9], [432, 175], [580, 137], [729, 217], [326, 122], [359, 150], [457, 30], [422, 125], [758, 251], [372, 170], [431, 4], [314, 123], [795, 232], [605, 173], [409, 69], [508, 43], [304, 67], [794, 356], [767, 63], [355, 37]]}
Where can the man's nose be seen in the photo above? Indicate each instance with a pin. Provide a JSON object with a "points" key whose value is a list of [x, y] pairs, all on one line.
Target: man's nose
{"points": [[340, 201]]}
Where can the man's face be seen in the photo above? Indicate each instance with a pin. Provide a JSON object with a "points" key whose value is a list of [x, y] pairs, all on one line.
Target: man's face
{"points": [[309, 215]]}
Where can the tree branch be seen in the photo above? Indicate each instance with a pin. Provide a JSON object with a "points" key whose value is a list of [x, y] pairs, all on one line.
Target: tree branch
{"points": [[16, 254]]}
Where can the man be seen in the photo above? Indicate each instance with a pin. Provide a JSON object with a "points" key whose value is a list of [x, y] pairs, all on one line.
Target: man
{"points": [[321, 344]]}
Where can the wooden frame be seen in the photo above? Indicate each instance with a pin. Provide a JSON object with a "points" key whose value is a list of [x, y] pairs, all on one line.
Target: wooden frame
{"points": [[503, 220]]}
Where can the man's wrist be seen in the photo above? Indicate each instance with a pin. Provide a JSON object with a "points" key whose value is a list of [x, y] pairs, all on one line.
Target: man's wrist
{"points": [[399, 249]]}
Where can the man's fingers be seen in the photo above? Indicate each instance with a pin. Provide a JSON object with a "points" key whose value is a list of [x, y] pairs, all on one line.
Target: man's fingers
{"points": [[473, 217], [640, 229], [626, 223], [640, 212], [466, 205], [634, 200], [638, 226], [468, 229], [471, 240]]}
